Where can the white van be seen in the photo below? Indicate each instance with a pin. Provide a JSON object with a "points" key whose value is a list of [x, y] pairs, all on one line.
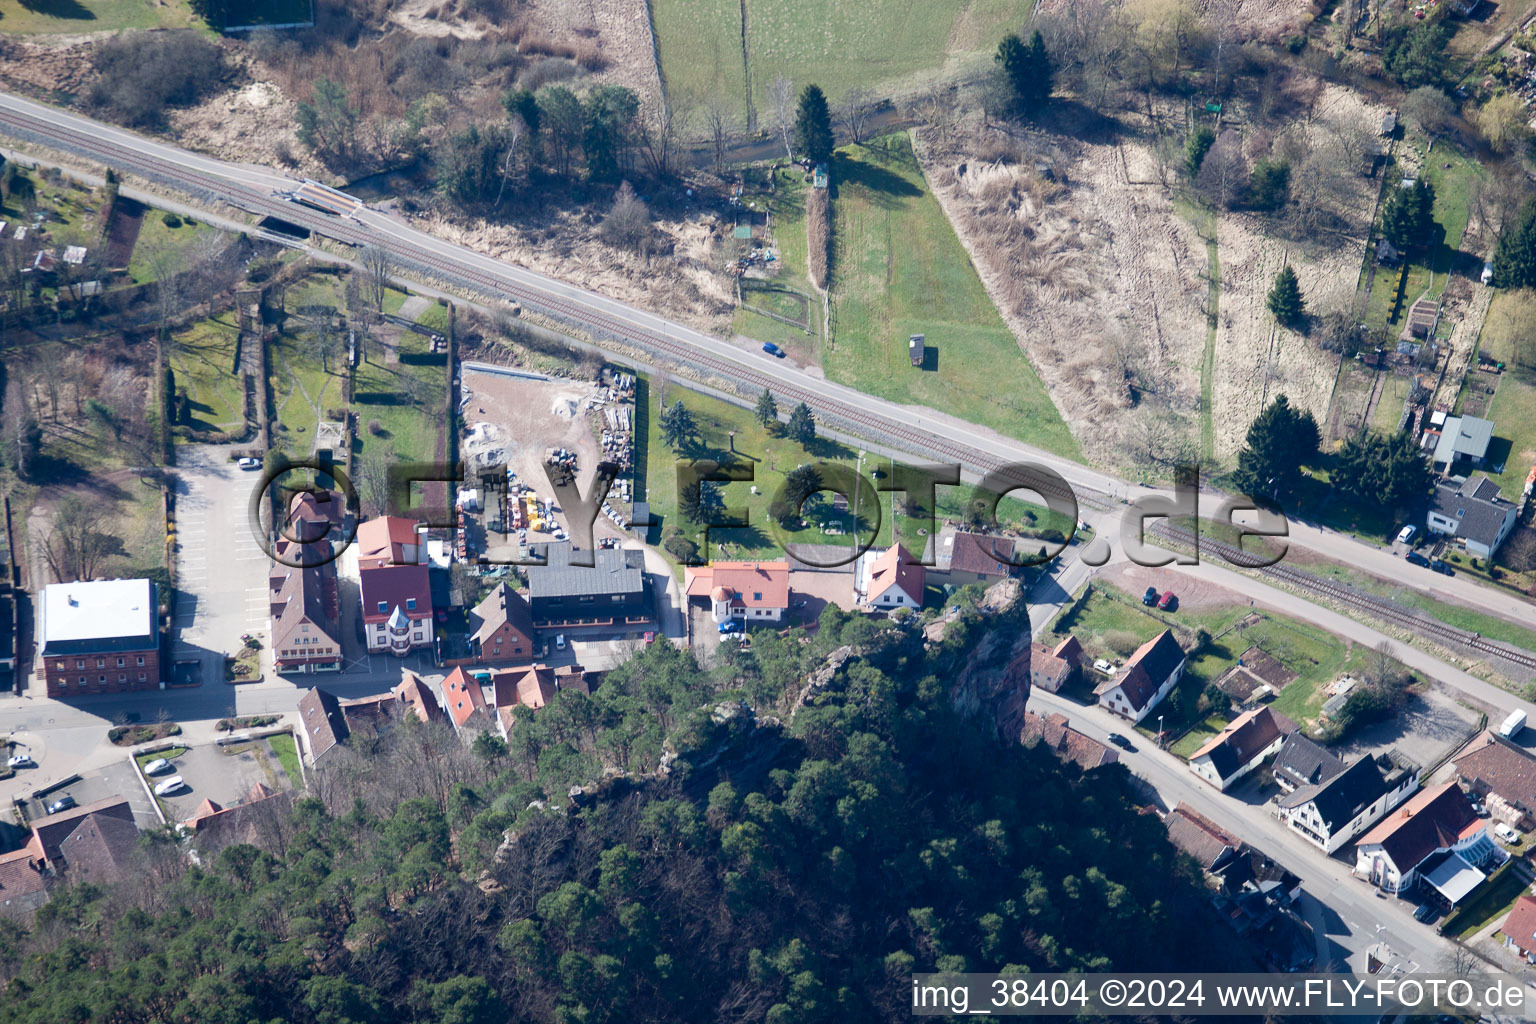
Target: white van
{"points": [[1405, 535], [174, 784]]}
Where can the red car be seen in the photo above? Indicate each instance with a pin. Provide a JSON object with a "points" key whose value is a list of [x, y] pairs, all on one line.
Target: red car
{"points": [[1169, 601]]}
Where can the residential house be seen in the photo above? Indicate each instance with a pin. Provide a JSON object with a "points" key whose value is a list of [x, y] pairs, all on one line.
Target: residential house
{"points": [[251, 821], [964, 557], [1503, 774], [99, 637], [889, 580], [1066, 742], [397, 608], [501, 627], [305, 609], [417, 697], [1211, 846], [1331, 814], [531, 687], [1462, 439], [46, 845], [1046, 670], [1519, 928], [465, 701], [23, 885], [315, 532], [1300, 762], [1395, 856], [750, 591], [1148, 675], [611, 593], [390, 540], [100, 849], [325, 726], [1474, 512], [1239, 748]]}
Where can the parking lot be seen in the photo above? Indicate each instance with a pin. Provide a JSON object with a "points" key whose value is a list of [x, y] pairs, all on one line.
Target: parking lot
{"points": [[221, 568], [1426, 730], [221, 774], [115, 780]]}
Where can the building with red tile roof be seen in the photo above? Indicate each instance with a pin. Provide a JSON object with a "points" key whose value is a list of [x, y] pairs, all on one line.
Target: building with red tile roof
{"points": [[1505, 775], [1208, 843], [1519, 927], [531, 687], [464, 698], [397, 608], [324, 724], [889, 580], [1065, 741], [1070, 651], [754, 591], [23, 885], [416, 696], [390, 540], [1393, 855], [967, 557], [1046, 671], [49, 833], [100, 849]]}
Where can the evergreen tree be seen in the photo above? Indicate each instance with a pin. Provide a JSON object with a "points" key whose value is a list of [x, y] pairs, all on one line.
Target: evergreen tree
{"points": [[813, 126], [1027, 72], [1279, 442], [767, 408], [802, 425], [1387, 471], [1408, 214], [690, 499], [678, 428], [1195, 147], [1514, 263], [1285, 300]]}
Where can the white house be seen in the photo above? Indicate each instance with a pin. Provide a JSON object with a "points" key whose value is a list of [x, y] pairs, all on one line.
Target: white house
{"points": [[890, 580], [1331, 814], [751, 591], [1155, 668], [1437, 839], [1474, 512], [1239, 748]]}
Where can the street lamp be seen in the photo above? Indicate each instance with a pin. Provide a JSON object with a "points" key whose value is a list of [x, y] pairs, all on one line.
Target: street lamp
{"points": [[1159, 731]]}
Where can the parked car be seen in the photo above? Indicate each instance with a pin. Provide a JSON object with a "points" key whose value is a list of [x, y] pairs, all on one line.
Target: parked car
{"points": [[156, 766], [1414, 558], [773, 349], [1438, 565], [1169, 602], [63, 803], [246, 462], [559, 641], [1121, 742], [1150, 597], [1426, 913], [1506, 833], [20, 761], [1405, 535], [1104, 666], [174, 784], [730, 626]]}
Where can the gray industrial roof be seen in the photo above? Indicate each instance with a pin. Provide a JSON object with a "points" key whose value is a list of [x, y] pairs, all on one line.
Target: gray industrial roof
{"points": [[616, 571]]}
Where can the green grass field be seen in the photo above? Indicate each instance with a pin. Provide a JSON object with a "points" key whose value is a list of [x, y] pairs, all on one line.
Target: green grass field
{"points": [[203, 359], [287, 752], [1506, 329], [772, 458], [69, 16], [899, 270], [406, 400], [301, 389], [786, 229], [156, 236], [836, 46]]}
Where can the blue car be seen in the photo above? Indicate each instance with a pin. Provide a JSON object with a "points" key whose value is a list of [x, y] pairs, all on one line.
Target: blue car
{"points": [[773, 349], [730, 626]]}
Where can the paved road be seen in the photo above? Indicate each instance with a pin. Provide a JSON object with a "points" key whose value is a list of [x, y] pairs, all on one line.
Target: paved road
{"points": [[607, 321], [1352, 913]]}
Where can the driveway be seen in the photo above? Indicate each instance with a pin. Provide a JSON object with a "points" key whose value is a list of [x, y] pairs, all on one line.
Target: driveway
{"points": [[221, 774], [221, 569]]}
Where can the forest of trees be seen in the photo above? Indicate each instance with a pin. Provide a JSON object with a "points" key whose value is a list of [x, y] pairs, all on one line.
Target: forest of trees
{"points": [[789, 873]]}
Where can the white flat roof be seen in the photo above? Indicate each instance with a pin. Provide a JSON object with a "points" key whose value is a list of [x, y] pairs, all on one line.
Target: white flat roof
{"points": [[97, 610], [1455, 878]]}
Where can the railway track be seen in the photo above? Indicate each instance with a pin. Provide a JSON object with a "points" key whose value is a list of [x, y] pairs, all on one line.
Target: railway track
{"points": [[602, 325]]}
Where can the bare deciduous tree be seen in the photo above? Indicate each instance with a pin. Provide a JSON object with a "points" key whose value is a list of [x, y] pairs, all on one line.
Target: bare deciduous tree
{"points": [[857, 111], [781, 95], [720, 124], [1224, 172], [78, 544], [375, 267]]}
